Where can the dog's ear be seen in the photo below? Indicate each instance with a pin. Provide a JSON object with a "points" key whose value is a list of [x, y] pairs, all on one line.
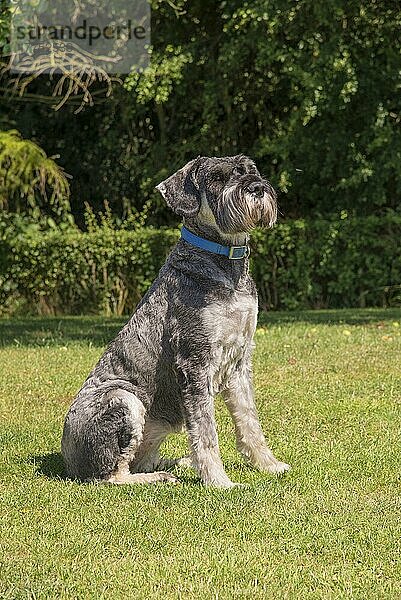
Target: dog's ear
{"points": [[181, 190]]}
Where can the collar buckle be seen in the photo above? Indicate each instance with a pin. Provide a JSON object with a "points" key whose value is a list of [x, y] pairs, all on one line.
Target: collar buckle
{"points": [[238, 252]]}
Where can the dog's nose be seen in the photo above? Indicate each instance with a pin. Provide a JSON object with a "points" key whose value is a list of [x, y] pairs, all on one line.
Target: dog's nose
{"points": [[255, 188]]}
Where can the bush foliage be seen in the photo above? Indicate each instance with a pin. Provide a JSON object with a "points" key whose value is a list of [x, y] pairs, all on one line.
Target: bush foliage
{"points": [[299, 264], [310, 89], [31, 183]]}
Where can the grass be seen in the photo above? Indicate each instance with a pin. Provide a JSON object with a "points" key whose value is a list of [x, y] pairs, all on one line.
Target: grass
{"points": [[329, 395]]}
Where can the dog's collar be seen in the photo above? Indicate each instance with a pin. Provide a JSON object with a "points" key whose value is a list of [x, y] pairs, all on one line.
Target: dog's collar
{"points": [[232, 252]]}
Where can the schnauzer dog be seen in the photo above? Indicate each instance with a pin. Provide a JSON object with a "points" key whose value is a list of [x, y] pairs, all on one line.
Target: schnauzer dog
{"points": [[191, 337]]}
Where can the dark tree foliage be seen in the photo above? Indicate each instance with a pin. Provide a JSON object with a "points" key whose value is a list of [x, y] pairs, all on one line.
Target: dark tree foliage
{"points": [[311, 89]]}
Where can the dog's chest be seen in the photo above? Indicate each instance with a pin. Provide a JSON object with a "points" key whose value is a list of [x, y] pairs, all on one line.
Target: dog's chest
{"points": [[230, 328]]}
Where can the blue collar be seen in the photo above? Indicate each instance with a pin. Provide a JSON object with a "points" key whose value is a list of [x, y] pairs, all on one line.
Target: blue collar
{"points": [[232, 252]]}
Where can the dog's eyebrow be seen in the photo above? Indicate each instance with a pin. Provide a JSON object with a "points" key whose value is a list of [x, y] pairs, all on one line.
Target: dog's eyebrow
{"points": [[221, 169]]}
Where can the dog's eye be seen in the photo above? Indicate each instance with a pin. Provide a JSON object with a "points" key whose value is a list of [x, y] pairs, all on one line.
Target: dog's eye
{"points": [[239, 171]]}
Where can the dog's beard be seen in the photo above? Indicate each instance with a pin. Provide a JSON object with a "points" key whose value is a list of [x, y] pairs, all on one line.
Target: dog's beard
{"points": [[241, 211]]}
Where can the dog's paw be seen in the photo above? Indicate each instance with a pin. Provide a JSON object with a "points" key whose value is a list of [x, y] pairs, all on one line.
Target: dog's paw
{"points": [[277, 468], [164, 477]]}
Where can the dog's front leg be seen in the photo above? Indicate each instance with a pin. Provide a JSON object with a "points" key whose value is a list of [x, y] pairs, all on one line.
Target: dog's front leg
{"points": [[251, 442], [198, 406]]}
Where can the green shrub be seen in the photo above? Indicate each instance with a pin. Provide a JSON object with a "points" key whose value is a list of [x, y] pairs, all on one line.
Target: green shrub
{"points": [[329, 264], [298, 264], [105, 271]]}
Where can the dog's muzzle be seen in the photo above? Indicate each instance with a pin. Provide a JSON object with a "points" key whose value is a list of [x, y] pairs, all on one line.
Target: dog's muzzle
{"points": [[245, 203], [256, 188]]}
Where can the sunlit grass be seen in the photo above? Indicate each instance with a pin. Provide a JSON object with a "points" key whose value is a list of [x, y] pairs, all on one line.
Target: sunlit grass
{"points": [[329, 396]]}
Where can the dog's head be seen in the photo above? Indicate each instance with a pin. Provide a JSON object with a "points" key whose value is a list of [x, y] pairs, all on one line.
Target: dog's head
{"points": [[225, 192]]}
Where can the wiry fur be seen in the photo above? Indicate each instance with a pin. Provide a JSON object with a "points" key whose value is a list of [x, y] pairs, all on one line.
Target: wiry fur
{"points": [[189, 339]]}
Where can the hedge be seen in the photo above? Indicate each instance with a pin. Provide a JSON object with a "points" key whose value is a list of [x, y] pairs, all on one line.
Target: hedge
{"points": [[298, 264]]}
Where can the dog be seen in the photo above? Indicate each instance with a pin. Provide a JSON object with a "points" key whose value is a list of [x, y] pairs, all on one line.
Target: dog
{"points": [[190, 338]]}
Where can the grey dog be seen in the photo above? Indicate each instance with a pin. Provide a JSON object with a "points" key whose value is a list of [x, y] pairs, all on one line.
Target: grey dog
{"points": [[190, 338]]}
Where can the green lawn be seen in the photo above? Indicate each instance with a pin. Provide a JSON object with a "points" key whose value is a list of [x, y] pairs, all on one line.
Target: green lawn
{"points": [[329, 394]]}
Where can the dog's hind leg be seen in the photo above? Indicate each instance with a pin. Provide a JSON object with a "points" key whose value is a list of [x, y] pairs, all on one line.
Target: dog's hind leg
{"points": [[103, 432], [122, 477], [143, 447]]}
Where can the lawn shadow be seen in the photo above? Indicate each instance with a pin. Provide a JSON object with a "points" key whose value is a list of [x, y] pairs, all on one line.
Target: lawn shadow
{"points": [[50, 465], [99, 331], [59, 331], [349, 316]]}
